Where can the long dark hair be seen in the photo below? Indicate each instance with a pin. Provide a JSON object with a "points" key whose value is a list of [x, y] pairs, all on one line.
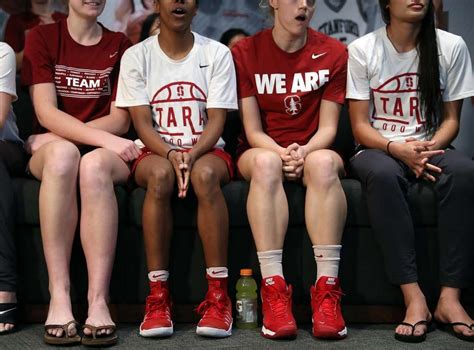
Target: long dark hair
{"points": [[429, 89]]}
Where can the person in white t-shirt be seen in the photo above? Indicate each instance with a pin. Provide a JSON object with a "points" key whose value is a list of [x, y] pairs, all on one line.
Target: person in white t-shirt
{"points": [[12, 162], [178, 86], [398, 77]]}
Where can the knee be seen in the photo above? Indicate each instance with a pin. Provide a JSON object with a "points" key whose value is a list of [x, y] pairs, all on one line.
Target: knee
{"points": [[321, 169], [62, 159], [160, 183], [94, 172], [267, 169], [205, 181]]}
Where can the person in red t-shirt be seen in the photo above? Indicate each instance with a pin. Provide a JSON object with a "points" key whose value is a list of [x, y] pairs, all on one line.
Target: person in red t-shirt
{"points": [[71, 68], [39, 12], [291, 85]]}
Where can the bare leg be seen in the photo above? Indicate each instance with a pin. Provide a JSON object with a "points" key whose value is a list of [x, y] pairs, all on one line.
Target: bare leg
{"points": [[99, 171], [56, 165], [156, 174], [208, 174], [267, 207], [326, 206]]}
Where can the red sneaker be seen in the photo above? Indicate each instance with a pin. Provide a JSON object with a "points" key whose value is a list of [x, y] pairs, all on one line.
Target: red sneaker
{"points": [[327, 318], [278, 320], [215, 310], [157, 321]]}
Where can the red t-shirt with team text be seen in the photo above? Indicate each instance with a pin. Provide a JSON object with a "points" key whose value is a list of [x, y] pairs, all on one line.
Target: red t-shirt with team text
{"points": [[289, 87], [19, 25], [85, 77]]}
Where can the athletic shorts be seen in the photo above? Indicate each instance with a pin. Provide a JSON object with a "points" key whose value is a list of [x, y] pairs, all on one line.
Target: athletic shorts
{"points": [[219, 152]]}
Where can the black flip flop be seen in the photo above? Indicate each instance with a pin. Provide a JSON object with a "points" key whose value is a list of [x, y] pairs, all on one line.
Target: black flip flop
{"points": [[411, 338], [65, 339], [449, 327], [8, 314]]}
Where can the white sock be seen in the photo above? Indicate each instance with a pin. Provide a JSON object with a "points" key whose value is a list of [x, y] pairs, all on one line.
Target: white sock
{"points": [[217, 272], [270, 263], [327, 260], [159, 275]]}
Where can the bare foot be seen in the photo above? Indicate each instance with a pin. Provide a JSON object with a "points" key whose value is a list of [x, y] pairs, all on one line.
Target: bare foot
{"points": [[417, 310], [60, 312], [450, 310], [7, 298], [99, 315]]}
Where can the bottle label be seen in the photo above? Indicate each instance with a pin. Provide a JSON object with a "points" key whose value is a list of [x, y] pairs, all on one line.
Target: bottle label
{"points": [[246, 310]]}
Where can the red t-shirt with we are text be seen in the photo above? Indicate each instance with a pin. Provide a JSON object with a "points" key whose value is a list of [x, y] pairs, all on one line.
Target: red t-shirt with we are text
{"points": [[19, 25], [85, 77], [289, 87]]}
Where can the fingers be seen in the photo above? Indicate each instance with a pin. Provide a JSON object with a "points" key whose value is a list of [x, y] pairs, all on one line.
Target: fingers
{"points": [[433, 168], [427, 176], [430, 154]]}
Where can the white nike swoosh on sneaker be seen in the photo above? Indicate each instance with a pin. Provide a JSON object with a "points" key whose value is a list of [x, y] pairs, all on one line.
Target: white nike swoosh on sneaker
{"points": [[343, 332], [5, 311], [314, 56], [267, 331]]}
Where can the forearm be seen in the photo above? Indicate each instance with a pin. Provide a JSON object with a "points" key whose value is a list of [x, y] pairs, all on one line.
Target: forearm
{"points": [[111, 124], [369, 137], [445, 134], [152, 139], [208, 138], [322, 139], [259, 139]]}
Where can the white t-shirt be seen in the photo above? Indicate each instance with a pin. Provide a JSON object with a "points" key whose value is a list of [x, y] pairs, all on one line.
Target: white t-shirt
{"points": [[377, 72], [178, 92], [344, 20], [9, 132]]}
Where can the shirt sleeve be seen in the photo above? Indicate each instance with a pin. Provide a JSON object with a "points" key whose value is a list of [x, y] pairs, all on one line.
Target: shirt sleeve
{"points": [[460, 80], [335, 90], [245, 84], [132, 89], [124, 45], [358, 84], [222, 87], [7, 71], [15, 34], [38, 65]]}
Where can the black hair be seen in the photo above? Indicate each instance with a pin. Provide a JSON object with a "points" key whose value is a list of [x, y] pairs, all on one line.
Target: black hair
{"points": [[146, 26], [230, 33], [429, 90]]}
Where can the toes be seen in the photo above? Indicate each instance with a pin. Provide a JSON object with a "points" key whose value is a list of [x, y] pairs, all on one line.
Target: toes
{"points": [[2, 327], [9, 326]]}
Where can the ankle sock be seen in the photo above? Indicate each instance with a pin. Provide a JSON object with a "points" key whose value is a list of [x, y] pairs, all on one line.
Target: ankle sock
{"points": [[270, 263], [327, 260], [158, 275], [217, 272]]}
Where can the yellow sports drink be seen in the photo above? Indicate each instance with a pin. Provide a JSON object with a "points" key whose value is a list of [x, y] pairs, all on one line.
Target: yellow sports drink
{"points": [[246, 303]]}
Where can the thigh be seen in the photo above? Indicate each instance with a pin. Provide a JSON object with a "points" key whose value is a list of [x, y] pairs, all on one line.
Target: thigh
{"points": [[248, 159], [325, 162], [376, 163], [453, 161], [107, 161], [150, 165], [56, 151], [214, 164]]}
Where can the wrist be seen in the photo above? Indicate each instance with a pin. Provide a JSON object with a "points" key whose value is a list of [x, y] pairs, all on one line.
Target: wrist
{"points": [[387, 148], [170, 151]]}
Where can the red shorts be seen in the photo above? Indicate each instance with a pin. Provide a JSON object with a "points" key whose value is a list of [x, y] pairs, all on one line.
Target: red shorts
{"points": [[216, 151]]}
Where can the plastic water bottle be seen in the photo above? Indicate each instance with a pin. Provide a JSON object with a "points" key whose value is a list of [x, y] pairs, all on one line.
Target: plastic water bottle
{"points": [[246, 303]]}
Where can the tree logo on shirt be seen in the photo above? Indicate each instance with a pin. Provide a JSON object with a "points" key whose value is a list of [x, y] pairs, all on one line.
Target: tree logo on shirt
{"points": [[292, 105]]}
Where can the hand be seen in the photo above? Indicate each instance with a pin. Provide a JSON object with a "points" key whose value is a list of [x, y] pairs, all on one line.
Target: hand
{"points": [[415, 154], [36, 141], [296, 151], [126, 149], [182, 163], [293, 169]]}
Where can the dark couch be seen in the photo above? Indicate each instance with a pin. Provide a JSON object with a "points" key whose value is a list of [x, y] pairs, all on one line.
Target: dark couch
{"points": [[362, 270]]}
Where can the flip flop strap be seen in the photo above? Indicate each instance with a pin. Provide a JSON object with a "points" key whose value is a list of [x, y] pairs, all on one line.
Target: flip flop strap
{"points": [[454, 324], [9, 313], [413, 326], [95, 329], [64, 327]]}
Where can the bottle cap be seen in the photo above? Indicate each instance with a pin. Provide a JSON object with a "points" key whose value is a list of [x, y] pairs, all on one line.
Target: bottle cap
{"points": [[246, 272]]}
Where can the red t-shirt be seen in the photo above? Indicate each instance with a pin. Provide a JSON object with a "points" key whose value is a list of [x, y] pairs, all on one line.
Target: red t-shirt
{"points": [[289, 87], [19, 25], [85, 77]]}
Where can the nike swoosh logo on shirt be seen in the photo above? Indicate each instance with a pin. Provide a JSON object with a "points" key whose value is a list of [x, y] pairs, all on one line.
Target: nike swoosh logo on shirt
{"points": [[113, 55], [203, 65], [5, 311], [314, 56], [4, 55]]}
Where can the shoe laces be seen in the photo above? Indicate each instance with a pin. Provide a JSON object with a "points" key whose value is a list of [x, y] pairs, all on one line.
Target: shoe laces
{"points": [[279, 303], [328, 301], [213, 307], [157, 305]]}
